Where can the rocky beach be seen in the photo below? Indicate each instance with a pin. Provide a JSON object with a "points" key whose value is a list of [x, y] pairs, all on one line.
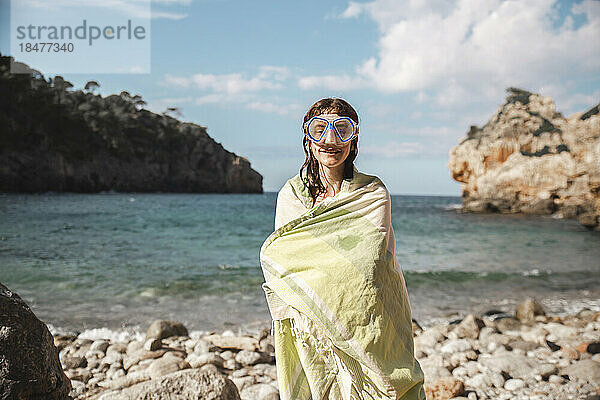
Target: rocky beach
{"points": [[496, 356], [512, 354]]}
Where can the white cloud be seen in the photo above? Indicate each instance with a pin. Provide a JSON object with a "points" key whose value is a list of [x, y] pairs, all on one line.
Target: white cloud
{"points": [[268, 77], [220, 98], [470, 50], [567, 100], [272, 108], [243, 89], [353, 10], [160, 105], [334, 82]]}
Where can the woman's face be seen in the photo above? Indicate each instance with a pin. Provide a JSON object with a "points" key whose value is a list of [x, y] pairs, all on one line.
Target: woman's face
{"points": [[330, 152]]}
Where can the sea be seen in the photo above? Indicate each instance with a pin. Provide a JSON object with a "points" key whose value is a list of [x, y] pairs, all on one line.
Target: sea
{"points": [[117, 261]]}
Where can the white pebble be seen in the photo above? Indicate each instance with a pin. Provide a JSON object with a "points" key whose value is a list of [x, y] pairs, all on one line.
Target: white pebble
{"points": [[514, 384]]}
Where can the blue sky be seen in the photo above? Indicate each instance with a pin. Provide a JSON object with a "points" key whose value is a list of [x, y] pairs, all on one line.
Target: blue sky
{"points": [[418, 72]]}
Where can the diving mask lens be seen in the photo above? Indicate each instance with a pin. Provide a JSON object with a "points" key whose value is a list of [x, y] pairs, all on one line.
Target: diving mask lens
{"points": [[342, 126]]}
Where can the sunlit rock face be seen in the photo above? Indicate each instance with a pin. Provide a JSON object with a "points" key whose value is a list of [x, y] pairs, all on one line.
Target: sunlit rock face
{"points": [[528, 158]]}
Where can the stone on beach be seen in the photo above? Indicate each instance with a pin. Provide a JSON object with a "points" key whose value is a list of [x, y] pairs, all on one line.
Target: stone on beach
{"points": [[198, 360], [191, 384], [162, 329], [484, 364], [514, 384], [455, 346], [469, 327], [245, 357], [515, 365], [29, 361], [584, 370], [152, 344], [507, 324], [444, 388], [234, 342], [165, 365], [527, 310], [100, 345], [260, 391]]}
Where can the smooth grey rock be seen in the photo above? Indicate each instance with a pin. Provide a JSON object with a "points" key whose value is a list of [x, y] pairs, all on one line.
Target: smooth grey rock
{"points": [[514, 384], [258, 392], [523, 345], [507, 324], [166, 365], [100, 345], [433, 368], [243, 382], [69, 362], [246, 357], [152, 344], [469, 327], [584, 370], [479, 381], [229, 341], [455, 345], [555, 379], [191, 384], [528, 309], [545, 370], [202, 346], [162, 329], [198, 360], [515, 365], [29, 362], [428, 339]]}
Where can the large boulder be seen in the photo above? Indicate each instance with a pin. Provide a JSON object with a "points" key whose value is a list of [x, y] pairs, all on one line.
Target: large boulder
{"points": [[189, 384], [29, 364], [530, 159]]}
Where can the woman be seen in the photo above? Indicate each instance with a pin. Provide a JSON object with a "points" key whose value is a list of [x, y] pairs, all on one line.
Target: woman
{"points": [[341, 316]]}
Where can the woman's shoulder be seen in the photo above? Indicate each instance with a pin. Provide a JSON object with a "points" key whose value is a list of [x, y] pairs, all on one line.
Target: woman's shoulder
{"points": [[296, 186], [294, 190], [362, 179]]}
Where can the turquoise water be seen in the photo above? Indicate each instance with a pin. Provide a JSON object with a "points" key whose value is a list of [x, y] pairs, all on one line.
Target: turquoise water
{"points": [[120, 260]]}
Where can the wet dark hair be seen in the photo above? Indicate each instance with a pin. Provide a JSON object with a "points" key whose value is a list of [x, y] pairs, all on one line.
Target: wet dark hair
{"points": [[309, 172]]}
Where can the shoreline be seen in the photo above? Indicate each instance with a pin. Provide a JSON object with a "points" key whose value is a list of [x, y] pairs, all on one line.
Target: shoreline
{"points": [[525, 353], [561, 304]]}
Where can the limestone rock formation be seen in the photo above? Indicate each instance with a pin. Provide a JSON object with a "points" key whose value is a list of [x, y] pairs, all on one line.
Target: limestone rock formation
{"points": [[528, 158], [53, 138], [29, 363]]}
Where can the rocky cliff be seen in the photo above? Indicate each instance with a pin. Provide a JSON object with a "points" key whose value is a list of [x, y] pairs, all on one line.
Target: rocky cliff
{"points": [[528, 158], [53, 138]]}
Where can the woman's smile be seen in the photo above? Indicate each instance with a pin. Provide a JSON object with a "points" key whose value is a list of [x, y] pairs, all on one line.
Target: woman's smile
{"points": [[330, 151]]}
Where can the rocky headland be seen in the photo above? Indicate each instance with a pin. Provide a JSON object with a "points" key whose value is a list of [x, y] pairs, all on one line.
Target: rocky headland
{"points": [[530, 159], [523, 354], [54, 138]]}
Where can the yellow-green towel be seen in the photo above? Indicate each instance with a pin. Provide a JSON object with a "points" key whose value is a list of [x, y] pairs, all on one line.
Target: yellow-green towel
{"points": [[332, 269]]}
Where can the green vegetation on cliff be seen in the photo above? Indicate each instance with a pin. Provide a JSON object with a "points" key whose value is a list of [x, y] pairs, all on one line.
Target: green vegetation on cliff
{"points": [[54, 138]]}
